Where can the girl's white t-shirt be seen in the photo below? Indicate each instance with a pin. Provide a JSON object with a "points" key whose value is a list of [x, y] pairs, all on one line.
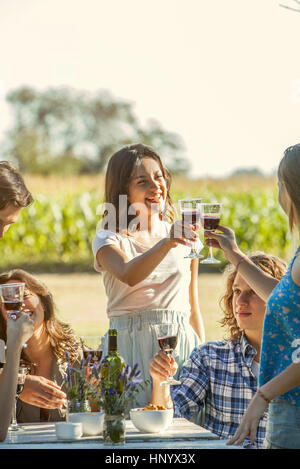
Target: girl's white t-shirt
{"points": [[167, 287]]}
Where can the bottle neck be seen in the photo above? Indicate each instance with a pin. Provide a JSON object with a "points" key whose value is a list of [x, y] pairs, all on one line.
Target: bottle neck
{"points": [[112, 345]]}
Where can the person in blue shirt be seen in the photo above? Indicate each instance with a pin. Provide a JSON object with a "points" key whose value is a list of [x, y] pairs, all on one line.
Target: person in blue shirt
{"points": [[279, 378], [220, 377]]}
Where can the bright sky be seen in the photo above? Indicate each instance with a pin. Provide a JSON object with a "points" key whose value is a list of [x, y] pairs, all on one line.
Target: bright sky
{"points": [[223, 74]]}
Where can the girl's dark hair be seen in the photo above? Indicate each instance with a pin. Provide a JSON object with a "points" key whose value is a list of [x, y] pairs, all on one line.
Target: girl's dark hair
{"points": [[118, 175], [270, 264], [12, 187], [60, 335]]}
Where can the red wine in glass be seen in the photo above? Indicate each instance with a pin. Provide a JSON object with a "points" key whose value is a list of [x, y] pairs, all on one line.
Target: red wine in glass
{"points": [[12, 306], [191, 216], [190, 211], [168, 343], [210, 219], [210, 222]]}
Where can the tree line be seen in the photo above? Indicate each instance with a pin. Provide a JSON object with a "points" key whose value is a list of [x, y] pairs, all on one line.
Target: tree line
{"points": [[67, 131]]}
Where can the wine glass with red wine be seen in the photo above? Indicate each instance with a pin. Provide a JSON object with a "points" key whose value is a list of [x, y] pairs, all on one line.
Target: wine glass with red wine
{"points": [[91, 348], [167, 336], [210, 219], [22, 372], [12, 295], [190, 211]]}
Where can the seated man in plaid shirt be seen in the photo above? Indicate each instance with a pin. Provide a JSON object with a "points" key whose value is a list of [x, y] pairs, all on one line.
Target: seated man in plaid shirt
{"points": [[220, 378]]}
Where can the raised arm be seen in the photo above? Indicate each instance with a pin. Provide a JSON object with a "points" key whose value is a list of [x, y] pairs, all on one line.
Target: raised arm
{"points": [[259, 281], [135, 270], [18, 332], [196, 319]]}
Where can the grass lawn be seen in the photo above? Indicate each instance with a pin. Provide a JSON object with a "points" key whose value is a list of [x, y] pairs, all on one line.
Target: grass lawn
{"points": [[81, 301]]}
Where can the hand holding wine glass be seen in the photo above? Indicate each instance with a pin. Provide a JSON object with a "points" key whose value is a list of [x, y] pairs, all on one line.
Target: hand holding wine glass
{"points": [[12, 295], [190, 211], [19, 330], [225, 239], [161, 366], [167, 336], [210, 219]]}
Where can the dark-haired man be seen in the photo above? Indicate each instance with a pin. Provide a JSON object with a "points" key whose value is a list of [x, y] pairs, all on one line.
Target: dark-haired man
{"points": [[14, 196]]}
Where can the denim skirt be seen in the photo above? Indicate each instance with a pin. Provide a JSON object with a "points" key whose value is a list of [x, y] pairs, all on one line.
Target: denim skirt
{"points": [[283, 426], [137, 341]]}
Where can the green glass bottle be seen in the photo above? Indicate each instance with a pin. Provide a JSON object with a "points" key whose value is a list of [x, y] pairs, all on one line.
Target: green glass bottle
{"points": [[114, 364]]}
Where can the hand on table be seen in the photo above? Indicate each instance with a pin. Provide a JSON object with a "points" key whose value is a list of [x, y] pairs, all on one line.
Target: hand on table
{"points": [[42, 392], [250, 421]]}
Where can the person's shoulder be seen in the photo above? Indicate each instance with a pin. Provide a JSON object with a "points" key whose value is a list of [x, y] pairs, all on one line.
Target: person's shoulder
{"points": [[296, 269], [104, 237], [213, 349]]}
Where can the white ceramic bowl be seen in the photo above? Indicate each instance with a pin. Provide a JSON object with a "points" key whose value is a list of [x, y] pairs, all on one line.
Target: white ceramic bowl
{"points": [[92, 422], [68, 430], [151, 421]]}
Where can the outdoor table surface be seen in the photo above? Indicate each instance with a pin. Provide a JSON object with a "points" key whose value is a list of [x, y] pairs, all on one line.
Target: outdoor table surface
{"points": [[181, 434]]}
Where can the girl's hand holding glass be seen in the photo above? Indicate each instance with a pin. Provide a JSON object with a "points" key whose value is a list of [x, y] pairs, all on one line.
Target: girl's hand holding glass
{"points": [[190, 210], [183, 233], [162, 366]]}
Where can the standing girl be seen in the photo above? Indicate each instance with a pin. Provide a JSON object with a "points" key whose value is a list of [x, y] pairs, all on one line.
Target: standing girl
{"points": [[140, 252], [280, 365]]}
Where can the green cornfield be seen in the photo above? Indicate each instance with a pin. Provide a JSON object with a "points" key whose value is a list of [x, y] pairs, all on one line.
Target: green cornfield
{"points": [[55, 233]]}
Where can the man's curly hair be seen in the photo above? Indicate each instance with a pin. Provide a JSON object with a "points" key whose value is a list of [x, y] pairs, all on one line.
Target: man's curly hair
{"points": [[270, 264]]}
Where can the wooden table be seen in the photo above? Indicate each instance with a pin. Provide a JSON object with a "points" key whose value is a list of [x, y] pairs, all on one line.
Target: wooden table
{"points": [[182, 434]]}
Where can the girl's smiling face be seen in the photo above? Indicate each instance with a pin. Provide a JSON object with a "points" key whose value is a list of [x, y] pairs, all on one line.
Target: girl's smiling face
{"points": [[32, 305], [147, 189]]}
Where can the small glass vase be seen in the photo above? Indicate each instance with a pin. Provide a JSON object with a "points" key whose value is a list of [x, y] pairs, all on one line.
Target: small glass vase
{"points": [[77, 405], [114, 429]]}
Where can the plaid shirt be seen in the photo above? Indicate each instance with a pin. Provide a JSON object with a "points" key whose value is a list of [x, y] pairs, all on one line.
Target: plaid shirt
{"points": [[218, 375]]}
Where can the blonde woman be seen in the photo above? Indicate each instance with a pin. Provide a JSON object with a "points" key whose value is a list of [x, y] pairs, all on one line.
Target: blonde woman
{"points": [[220, 378], [43, 396], [280, 364]]}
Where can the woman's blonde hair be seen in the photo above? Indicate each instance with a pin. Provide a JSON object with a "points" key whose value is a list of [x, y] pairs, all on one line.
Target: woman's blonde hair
{"points": [[60, 334], [289, 175], [118, 175], [270, 264]]}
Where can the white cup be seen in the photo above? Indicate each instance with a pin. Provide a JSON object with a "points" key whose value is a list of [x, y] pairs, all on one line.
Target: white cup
{"points": [[68, 430], [92, 422]]}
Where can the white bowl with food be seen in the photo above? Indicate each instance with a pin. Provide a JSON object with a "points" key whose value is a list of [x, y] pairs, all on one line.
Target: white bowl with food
{"points": [[151, 421]]}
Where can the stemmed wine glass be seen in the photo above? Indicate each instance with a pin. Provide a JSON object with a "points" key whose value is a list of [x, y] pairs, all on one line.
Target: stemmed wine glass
{"points": [[210, 219], [167, 336], [190, 210], [12, 295], [14, 427], [92, 345]]}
